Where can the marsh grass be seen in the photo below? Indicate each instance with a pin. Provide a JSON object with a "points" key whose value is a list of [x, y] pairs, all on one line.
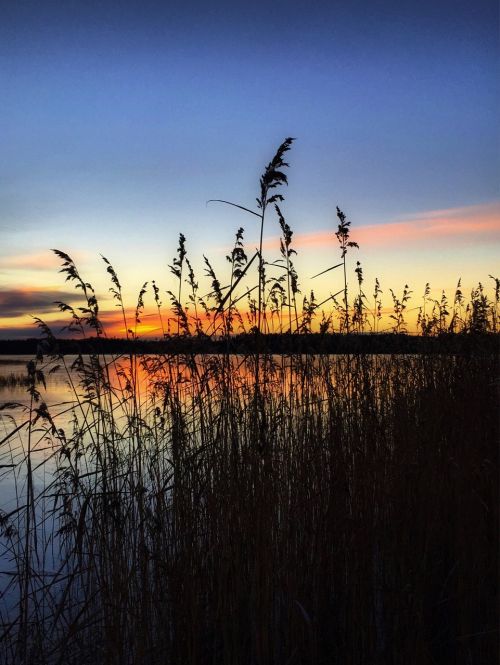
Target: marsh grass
{"points": [[253, 509], [355, 520]]}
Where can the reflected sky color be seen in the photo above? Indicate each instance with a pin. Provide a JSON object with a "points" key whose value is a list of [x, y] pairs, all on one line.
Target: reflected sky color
{"points": [[120, 120]]}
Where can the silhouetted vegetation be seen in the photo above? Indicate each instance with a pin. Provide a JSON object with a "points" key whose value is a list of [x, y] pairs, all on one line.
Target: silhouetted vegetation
{"points": [[229, 495], [244, 343]]}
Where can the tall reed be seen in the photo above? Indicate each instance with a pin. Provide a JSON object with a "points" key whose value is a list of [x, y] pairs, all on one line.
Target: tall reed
{"points": [[354, 521], [253, 509]]}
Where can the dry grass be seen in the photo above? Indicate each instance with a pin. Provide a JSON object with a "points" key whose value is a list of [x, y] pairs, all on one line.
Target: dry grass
{"points": [[255, 509], [344, 511]]}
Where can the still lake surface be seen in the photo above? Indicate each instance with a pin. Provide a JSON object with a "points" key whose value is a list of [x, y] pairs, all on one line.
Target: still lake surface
{"points": [[196, 385], [15, 403], [66, 395]]}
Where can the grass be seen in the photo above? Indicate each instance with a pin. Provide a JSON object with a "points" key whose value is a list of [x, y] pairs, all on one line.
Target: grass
{"points": [[354, 518], [254, 509]]}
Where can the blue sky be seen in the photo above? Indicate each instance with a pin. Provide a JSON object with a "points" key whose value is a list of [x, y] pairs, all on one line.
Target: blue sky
{"points": [[120, 120]]}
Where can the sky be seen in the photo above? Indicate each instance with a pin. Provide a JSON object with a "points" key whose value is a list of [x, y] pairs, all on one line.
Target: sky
{"points": [[120, 120]]}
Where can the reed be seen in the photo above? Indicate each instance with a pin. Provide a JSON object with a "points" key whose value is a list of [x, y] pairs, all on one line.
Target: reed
{"points": [[356, 522], [253, 509]]}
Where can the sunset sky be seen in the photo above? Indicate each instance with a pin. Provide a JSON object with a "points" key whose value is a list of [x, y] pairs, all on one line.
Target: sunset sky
{"points": [[119, 120]]}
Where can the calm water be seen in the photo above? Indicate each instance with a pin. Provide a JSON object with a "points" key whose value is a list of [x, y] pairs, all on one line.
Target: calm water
{"points": [[66, 397], [15, 411], [73, 406], [61, 394]]}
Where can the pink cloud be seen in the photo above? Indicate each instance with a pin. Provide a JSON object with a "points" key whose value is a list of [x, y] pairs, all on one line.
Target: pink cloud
{"points": [[35, 261], [447, 227]]}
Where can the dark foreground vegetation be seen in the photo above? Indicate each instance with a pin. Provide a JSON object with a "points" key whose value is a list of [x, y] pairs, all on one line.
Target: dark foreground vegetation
{"points": [[344, 509], [316, 343], [256, 499]]}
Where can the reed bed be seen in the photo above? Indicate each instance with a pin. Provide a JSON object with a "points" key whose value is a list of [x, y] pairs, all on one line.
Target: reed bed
{"points": [[345, 510], [254, 509]]}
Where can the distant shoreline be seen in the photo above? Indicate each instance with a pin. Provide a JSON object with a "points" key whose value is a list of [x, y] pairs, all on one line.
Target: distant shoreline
{"points": [[382, 343]]}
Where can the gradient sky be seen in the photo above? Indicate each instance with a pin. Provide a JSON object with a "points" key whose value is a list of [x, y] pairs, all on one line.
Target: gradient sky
{"points": [[119, 120]]}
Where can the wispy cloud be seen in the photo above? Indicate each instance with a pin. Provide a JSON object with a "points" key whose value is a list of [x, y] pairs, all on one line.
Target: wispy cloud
{"points": [[454, 226], [25, 302], [36, 261], [19, 306]]}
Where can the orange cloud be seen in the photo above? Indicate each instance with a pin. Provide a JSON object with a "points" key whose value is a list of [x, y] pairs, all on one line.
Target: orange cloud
{"points": [[450, 226], [36, 261]]}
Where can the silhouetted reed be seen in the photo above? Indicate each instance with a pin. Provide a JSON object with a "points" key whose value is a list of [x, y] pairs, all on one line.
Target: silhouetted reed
{"points": [[254, 509]]}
